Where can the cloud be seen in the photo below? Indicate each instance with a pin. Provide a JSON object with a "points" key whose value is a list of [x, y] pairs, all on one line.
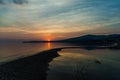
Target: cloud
{"points": [[20, 2], [60, 16], [1, 2]]}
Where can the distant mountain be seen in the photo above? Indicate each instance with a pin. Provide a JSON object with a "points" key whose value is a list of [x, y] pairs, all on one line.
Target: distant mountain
{"points": [[88, 40], [93, 38], [35, 41]]}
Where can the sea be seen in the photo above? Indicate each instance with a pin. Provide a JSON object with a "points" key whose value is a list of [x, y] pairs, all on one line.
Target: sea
{"points": [[72, 64]]}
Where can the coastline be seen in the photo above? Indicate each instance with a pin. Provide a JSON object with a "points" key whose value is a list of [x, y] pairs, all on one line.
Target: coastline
{"points": [[28, 68], [34, 67]]}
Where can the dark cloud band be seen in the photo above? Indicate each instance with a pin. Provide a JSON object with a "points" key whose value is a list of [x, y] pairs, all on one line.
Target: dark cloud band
{"points": [[1, 2], [19, 2]]}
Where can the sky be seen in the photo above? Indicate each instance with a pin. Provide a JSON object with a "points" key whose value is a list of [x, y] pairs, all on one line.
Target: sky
{"points": [[57, 19]]}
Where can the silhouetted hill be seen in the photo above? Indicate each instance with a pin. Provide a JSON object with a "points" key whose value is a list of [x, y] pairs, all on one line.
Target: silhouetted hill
{"points": [[35, 41], [94, 39], [89, 40], [85, 38]]}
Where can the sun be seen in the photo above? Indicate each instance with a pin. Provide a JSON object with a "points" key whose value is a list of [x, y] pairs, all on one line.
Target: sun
{"points": [[47, 37]]}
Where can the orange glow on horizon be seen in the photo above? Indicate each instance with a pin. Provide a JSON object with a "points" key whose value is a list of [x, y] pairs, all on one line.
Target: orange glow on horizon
{"points": [[48, 40], [47, 37]]}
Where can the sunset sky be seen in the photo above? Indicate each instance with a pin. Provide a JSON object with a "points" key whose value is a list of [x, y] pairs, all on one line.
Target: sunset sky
{"points": [[57, 19]]}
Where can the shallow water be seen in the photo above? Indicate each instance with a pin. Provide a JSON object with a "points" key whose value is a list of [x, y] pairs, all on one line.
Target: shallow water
{"points": [[80, 64]]}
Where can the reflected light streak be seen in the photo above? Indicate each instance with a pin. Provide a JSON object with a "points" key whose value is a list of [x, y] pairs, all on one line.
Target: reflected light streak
{"points": [[48, 45]]}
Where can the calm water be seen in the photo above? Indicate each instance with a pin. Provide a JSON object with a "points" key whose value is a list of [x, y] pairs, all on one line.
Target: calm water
{"points": [[10, 51], [72, 64], [80, 64]]}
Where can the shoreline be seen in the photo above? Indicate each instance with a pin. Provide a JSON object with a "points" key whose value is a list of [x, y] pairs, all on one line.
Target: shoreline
{"points": [[33, 67], [54, 49], [29, 68]]}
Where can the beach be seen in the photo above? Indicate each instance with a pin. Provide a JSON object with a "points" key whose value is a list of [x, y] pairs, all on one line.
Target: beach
{"points": [[29, 68]]}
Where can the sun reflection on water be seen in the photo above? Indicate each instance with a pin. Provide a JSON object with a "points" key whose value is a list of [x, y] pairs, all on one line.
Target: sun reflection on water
{"points": [[48, 45]]}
